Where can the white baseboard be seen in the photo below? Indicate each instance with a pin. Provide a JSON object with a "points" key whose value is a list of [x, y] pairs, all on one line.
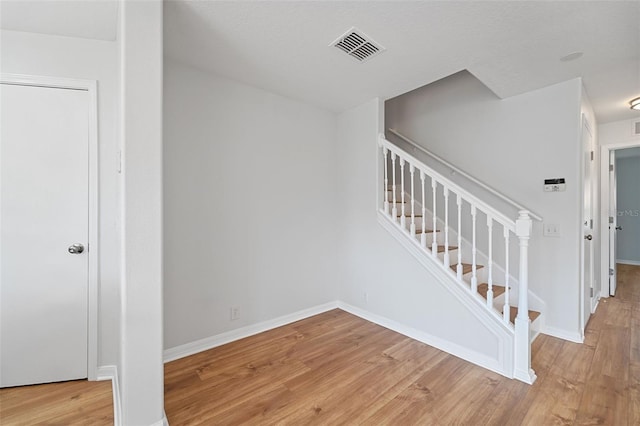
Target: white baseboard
{"points": [[163, 422], [110, 372], [426, 338], [562, 334], [191, 348], [628, 262]]}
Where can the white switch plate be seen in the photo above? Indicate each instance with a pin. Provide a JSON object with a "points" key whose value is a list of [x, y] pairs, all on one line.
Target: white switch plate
{"points": [[558, 187], [551, 230]]}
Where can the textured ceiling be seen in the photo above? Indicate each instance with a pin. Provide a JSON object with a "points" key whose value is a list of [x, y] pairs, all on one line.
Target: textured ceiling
{"points": [[513, 47]]}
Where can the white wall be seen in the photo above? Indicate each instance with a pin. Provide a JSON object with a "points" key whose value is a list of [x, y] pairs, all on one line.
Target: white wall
{"points": [[250, 205], [398, 288], [513, 145], [619, 133], [44, 55], [141, 70], [628, 206]]}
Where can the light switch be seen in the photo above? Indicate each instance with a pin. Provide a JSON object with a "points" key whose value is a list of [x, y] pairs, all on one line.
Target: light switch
{"points": [[551, 230]]}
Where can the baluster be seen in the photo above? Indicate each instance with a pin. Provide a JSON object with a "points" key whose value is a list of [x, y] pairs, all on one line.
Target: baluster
{"points": [[423, 236], [386, 181], [394, 210], [474, 277], [505, 309], [403, 219], [459, 266], [434, 243], [413, 216], [446, 226], [490, 273]]}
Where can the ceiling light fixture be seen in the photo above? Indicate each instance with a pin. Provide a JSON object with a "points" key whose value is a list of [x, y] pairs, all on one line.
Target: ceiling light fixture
{"points": [[635, 103]]}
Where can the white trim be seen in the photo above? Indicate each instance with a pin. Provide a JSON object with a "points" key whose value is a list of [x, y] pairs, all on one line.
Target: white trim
{"points": [[628, 262], [413, 246], [466, 175], [605, 151], [163, 422], [475, 305], [444, 345], [498, 216], [583, 253], [575, 337], [93, 243], [110, 372], [191, 348]]}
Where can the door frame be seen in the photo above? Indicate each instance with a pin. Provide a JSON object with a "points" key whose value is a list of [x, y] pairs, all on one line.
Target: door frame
{"points": [[605, 152], [93, 246], [586, 126]]}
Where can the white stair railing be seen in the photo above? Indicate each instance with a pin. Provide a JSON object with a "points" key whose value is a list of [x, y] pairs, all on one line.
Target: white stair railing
{"points": [[443, 190]]}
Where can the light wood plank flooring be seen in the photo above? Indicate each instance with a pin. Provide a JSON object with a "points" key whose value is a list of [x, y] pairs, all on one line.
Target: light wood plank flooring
{"points": [[335, 368], [79, 402]]}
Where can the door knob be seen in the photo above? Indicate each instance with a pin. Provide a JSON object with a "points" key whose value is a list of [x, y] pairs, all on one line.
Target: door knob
{"points": [[588, 237], [619, 228], [76, 249]]}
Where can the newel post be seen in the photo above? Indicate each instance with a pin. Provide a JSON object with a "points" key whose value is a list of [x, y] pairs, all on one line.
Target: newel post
{"points": [[522, 370]]}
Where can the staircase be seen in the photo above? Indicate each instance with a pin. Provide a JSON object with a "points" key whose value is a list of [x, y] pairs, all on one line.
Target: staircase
{"points": [[478, 253]]}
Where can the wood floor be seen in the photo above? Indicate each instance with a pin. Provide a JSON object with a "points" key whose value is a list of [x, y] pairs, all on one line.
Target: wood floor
{"points": [[335, 369], [79, 402]]}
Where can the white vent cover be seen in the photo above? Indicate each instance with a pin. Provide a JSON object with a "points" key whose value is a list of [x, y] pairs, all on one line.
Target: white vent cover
{"points": [[636, 128], [357, 45]]}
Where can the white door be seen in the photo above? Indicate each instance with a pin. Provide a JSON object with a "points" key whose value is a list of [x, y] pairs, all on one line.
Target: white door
{"points": [[44, 212], [587, 218], [613, 222]]}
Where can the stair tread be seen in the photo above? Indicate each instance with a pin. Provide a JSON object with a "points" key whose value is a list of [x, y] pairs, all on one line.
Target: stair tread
{"points": [[513, 312], [451, 248], [426, 231], [408, 214], [466, 267], [484, 288]]}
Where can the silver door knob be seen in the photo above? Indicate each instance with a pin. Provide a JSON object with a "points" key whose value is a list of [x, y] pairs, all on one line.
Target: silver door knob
{"points": [[588, 237], [76, 249], [619, 228]]}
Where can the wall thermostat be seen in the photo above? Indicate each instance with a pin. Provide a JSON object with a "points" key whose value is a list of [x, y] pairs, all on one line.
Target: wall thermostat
{"points": [[554, 185]]}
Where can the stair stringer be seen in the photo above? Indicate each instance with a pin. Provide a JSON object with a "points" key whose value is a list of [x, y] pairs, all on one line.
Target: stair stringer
{"points": [[474, 304], [535, 302]]}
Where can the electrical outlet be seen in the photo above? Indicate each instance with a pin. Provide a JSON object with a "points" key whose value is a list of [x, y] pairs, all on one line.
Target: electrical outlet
{"points": [[235, 312]]}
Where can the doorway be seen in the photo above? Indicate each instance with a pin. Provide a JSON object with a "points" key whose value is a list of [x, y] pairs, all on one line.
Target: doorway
{"points": [[610, 225], [49, 244]]}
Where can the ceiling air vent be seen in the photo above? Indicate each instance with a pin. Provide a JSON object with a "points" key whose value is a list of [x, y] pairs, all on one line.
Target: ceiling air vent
{"points": [[357, 45], [636, 128]]}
